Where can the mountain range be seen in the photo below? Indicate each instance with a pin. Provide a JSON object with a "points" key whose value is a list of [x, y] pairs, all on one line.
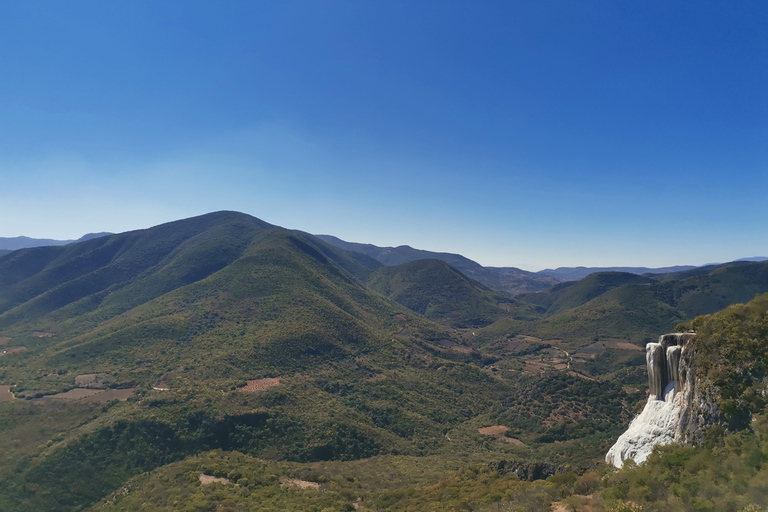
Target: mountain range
{"points": [[509, 279], [23, 242], [223, 332]]}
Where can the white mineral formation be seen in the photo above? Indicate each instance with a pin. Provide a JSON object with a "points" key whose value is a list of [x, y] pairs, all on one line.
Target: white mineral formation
{"points": [[658, 423]]}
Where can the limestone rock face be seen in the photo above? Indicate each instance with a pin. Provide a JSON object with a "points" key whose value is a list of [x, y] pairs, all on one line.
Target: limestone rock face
{"points": [[678, 408]]}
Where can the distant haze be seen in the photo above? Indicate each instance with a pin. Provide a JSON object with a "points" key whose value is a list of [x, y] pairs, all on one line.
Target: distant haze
{"points": [[22, 242]]}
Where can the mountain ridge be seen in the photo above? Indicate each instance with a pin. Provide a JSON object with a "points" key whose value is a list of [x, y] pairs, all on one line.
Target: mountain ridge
{"points": [[25, 242]]}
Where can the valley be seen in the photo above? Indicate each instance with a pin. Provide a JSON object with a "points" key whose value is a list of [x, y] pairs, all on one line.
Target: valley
{"points": [[225, 346]]}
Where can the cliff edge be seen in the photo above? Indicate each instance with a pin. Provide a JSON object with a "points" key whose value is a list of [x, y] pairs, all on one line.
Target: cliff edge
{"points": [[679, 407]]}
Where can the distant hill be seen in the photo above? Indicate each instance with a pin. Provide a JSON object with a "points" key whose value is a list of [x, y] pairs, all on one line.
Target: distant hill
{"points": [[506, 279], [638, 309], [224, 332], [23, 242], [572, 294], [574, 273], [440, 292], [186, 313]]}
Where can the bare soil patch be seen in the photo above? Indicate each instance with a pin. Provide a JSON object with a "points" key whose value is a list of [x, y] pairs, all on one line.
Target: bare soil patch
{"points": [[40, 334], [627, 346], [599, 347], [535, 367], [526, 339], [463, 350], [94, 395], [256, 385], [12, 350], [4, 340], [299, 484], [5, 394], [495, 430], [111, 394], [208, 479], [376, 378], [498, 432]]}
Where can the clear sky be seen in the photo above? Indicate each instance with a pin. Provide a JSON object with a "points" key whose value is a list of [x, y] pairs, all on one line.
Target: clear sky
{"points": [[517, 133]]}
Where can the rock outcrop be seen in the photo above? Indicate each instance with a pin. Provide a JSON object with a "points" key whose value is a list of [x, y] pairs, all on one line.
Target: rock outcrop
{"points": [[527, 470], [678, 409]]}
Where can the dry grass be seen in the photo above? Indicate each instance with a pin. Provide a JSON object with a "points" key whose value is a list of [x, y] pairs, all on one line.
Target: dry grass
{"points": [[89, 380], [498, 432], [74, 394], [536, 367], [627, 346], [5, 394], [299, 484], [257, 385], [12, 350], [111, 394], [495, 430], [94, 395], [208, 479], [4, 340]]}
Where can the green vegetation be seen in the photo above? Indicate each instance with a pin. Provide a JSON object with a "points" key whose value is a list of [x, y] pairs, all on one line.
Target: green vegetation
{"points": [[729, 472], [575, 293], [505, 279], [638, 308], [201, 306], [376, 484], [402, 368], [440, 292]]}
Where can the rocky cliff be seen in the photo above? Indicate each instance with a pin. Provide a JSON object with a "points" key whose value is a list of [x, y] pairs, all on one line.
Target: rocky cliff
{"points": [[680, 406]]}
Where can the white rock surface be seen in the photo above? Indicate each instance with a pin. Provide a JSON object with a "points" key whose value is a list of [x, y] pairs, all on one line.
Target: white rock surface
{"points": [[659, 421], [657, 424]]}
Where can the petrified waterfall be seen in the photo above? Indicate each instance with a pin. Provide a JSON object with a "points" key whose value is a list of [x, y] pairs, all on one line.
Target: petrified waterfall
{"points": [[660, 421]]}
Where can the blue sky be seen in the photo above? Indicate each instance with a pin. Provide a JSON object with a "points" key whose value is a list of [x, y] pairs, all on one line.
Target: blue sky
{"points": [[517, 133]]}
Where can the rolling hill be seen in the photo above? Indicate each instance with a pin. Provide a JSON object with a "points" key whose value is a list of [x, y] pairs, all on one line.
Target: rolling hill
{"points": [[23, 242], [636, 308], [223, 332], [183, 318], [506, 279], [440, 292]]}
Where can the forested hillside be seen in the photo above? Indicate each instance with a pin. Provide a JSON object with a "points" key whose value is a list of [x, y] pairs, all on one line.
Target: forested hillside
{"points": [[225, 336]]}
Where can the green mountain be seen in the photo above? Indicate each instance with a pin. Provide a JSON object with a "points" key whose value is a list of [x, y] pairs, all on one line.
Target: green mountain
{"points": [[23, 242], [575, 293], [225, 333], [440, 292], [179, 318], [637, 308], [729, 469], [575, 273], [506, 279]]}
